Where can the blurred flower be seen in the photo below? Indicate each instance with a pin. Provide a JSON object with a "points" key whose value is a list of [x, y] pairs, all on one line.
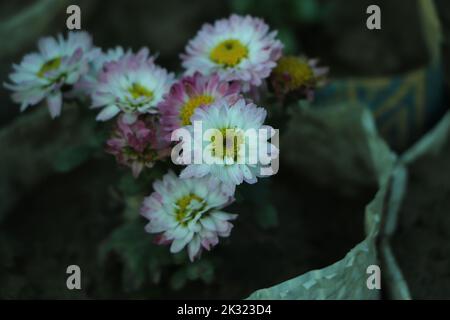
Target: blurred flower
{"points": [[137, 145], [188, 94], [187, 212], [42, 75], [133, 85], [232, 153], [88, 81], [297, 75], [237, 48]]}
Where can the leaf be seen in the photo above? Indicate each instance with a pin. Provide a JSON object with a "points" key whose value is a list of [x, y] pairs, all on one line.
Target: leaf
{"points": [[145, 263], [137, 252], [199, 270], [71, 157], [39, 14]]}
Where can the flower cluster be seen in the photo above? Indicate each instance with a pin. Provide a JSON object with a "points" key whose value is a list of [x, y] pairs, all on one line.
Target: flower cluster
{"points": [[191, 92], [225, 64]]}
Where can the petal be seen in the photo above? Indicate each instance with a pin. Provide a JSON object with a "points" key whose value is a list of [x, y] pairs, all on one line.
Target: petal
{"points": [[208, 223], [194, 248], [54, 103], [129, 118], [136, 168], [108, 113], [179, 244]]}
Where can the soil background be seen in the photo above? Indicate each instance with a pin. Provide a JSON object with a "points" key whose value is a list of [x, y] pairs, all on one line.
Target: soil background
{"points": [[422, 240]]}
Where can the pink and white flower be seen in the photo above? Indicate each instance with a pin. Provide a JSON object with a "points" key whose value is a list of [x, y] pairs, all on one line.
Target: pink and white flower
{"points": [[237, 49], [235, 156], [132, 85], [188, 213], [42, 75], [137, 145], [190, 93]]}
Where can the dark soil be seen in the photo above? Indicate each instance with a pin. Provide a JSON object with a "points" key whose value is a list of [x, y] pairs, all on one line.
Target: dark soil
{"points": [[60, 223], [422, 240], [64, 222]]}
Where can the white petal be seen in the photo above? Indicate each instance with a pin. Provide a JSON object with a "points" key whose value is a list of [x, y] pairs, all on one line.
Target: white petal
{"points": [[108, 113], [208, 223], [220, 215], [54, 102], [179, 244], [194, 248]]}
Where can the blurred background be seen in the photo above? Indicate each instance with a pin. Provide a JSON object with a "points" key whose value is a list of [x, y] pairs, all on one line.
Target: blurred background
{"points": [[64, 201]]}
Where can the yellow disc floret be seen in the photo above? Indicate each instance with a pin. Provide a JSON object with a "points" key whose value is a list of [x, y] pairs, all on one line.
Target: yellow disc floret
{"points": [[183, 214], [298, 71], [187, 110], [229, 53], [50, 65], [232, 139], [137, 91]]}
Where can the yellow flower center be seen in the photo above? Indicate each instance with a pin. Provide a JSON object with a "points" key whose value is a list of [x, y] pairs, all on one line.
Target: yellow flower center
{"points": [[183, 215], [298, 70], [229, 53], [137, 91], [50, 65], [232, 139], [187, 110]]}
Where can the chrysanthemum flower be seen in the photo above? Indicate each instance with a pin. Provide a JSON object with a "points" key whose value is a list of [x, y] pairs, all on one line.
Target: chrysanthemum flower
{"points": [[234, 155], [42, 75], [137, 145], [297, 75], [131, 85], [88, 81], [191, 92], [238, 48], [188, 212]]}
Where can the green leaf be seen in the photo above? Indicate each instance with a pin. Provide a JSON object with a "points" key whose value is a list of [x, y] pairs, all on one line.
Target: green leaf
{"points": [[71, 157], [139, 255], [199, 270], [146, 263]]}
